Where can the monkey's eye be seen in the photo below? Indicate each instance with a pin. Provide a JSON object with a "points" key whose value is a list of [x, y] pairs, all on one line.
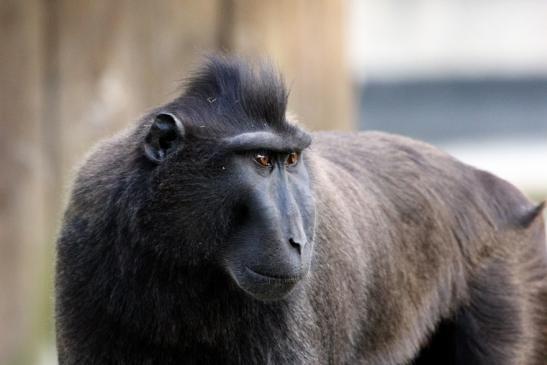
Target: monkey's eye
{"points": [[263, 159], [292, 159]]}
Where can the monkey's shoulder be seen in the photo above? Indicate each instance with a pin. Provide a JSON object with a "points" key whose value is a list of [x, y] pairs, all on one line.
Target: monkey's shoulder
{"points": [[370, 145], [106, 170]]}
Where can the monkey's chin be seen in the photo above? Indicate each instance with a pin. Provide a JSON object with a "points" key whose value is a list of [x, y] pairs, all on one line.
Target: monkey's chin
{"points": [[266, 287]]}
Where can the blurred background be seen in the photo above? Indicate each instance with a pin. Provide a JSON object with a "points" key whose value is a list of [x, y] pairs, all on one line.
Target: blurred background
{"points": [[469, 76]]}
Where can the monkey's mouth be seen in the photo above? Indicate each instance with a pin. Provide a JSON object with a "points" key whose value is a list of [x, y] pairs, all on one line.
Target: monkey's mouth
{"points": [[273, 278], [265, 285]]}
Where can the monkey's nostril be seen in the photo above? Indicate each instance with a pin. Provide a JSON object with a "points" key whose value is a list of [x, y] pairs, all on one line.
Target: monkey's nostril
{"points": [[296, 245]]}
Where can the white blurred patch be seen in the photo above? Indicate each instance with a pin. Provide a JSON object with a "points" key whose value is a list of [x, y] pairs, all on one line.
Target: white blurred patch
{"points": [[47, 355], [521, 161], [428, 38]]}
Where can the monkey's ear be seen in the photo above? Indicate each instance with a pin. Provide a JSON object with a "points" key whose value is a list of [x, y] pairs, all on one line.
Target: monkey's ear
{"points": [[165, 135]]}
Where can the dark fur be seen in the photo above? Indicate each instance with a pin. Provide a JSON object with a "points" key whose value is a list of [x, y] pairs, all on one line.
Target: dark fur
{"points": [[417, 258]]}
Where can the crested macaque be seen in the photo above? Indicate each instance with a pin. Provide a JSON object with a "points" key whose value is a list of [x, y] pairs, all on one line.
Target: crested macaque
{"points": [[216, 230]]}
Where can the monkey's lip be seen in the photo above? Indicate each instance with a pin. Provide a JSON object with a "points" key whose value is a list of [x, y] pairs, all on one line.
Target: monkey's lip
{"points": [[274, 278]]}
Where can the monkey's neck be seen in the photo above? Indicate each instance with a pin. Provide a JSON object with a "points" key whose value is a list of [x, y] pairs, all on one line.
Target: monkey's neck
{"points": [[197, 307]]}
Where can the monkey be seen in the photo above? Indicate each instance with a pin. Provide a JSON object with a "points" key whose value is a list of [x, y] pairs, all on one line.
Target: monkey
{"points": [[216, 230]]}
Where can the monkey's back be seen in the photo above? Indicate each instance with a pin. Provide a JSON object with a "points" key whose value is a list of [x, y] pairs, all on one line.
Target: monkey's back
{"points": [[413, 170], [453, 228]]}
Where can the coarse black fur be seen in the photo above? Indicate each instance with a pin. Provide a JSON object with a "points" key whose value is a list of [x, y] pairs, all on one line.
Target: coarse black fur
{"points": [[180, 246]]}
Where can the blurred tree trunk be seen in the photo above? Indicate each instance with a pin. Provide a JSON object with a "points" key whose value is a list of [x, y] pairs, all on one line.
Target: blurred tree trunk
{"points": [[117, 59], [22, 178], [307, 40], [76, 71]]}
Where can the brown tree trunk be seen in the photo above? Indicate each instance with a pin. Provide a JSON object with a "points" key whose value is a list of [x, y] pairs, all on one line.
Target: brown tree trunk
{"points": [[22, 176], [73, 72], [307, 40]]}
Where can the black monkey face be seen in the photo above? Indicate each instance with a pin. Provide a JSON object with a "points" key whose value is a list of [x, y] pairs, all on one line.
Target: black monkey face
{"points": [[269, 250], [243, 203]]}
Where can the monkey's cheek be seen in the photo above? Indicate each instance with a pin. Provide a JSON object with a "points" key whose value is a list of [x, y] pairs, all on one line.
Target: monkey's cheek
{"points": [[263, 287]]}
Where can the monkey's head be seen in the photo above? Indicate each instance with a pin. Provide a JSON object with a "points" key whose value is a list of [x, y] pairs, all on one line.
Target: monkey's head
{"points": [[229, 187]]}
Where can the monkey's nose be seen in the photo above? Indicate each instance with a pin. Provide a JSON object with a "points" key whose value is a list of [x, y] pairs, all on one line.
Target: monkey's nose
{"points": [[297, 244]]}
